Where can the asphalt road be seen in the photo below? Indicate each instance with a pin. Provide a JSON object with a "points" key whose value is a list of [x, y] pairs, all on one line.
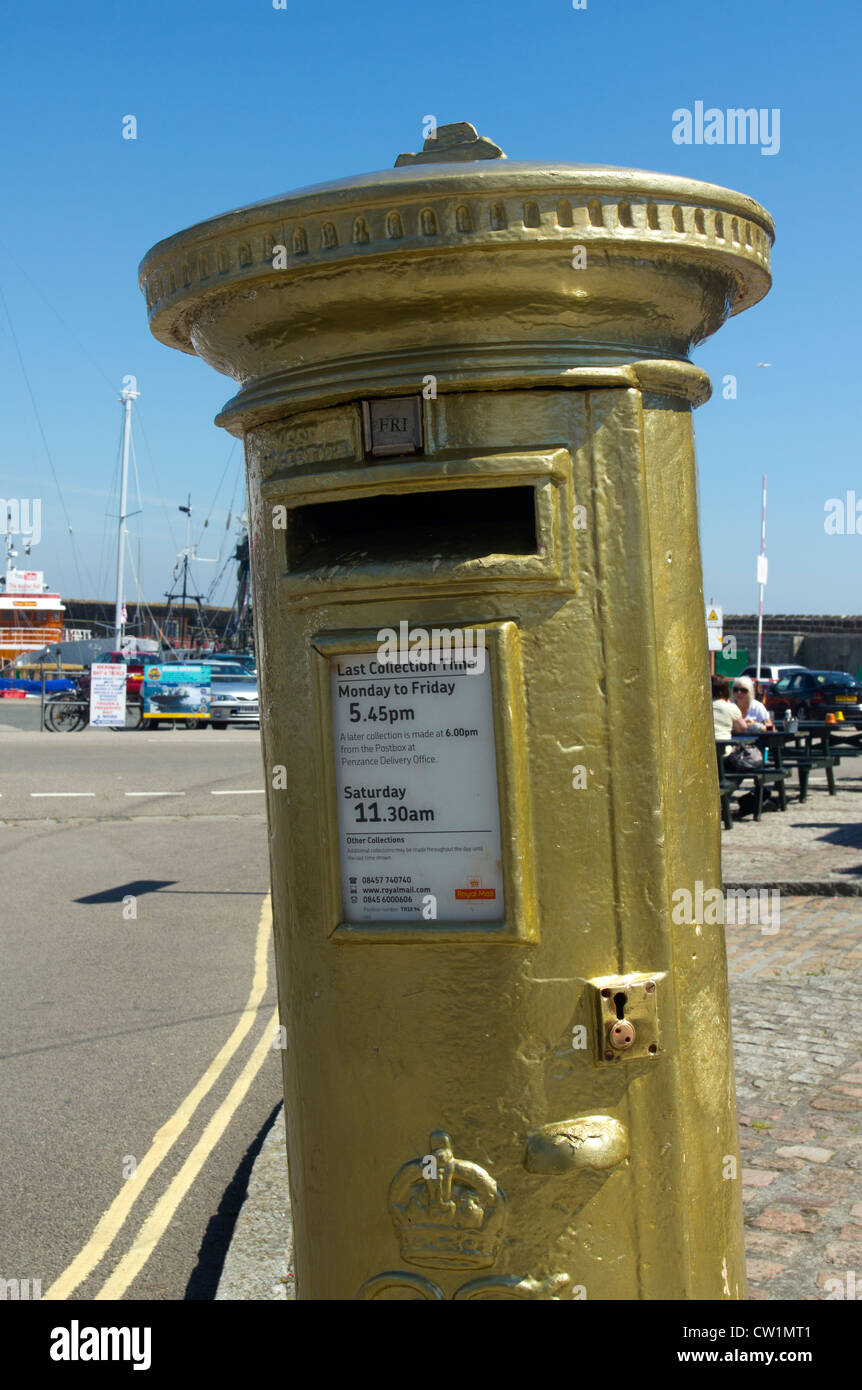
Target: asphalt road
{"points": [[136, 1005]]}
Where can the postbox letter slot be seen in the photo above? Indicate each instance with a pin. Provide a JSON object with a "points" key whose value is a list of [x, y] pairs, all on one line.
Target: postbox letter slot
{"points": [[452, 524]]}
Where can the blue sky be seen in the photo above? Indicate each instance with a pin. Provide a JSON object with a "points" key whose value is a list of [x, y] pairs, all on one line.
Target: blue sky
{"points": [[236, 101]]}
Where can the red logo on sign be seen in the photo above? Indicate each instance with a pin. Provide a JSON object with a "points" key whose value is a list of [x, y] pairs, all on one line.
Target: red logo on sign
{"points": [[475, 890]]}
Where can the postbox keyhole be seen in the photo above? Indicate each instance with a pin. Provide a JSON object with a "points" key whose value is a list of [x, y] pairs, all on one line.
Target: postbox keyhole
{"points": [[622, 1033]]}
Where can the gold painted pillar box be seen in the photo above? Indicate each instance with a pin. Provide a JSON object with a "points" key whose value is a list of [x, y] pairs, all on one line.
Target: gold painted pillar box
{"points": [[466, 402]]}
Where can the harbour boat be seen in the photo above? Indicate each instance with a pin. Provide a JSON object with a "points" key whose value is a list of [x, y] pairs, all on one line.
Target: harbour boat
{"points": [[30, 616]]}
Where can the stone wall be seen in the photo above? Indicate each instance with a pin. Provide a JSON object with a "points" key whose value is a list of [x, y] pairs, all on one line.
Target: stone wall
{"points": [[820, 641]]}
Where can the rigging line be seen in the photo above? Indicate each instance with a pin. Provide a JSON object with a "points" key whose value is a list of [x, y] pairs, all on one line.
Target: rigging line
{"points": [[218, 579], [140, 500], [155, 476], [137, 479], [55, 312], [217, 491], [142, 602], [236, 482], [114, 492], [239, 474], [70, 532], [215, 591], [134, 568], [138, 576]]}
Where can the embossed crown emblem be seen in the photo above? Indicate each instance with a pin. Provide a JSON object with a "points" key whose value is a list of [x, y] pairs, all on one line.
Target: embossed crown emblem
{"points": [[447, 1212]]}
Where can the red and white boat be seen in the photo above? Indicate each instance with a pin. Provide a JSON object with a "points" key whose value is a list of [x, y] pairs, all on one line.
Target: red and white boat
{"points": [[30, 617]]}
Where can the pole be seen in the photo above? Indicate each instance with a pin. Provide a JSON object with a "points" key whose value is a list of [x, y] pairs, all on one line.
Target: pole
{"points": [[183, 642], [127, 395], [188, 511], [762, 579]]}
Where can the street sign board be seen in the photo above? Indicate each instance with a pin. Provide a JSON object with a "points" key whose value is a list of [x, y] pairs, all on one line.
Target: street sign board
{"points": [[714, 626], [108, 694]]}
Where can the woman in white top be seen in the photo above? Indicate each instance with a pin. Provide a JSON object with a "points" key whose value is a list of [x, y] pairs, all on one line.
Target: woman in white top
{"points": [[753, 712], [726, 716]]}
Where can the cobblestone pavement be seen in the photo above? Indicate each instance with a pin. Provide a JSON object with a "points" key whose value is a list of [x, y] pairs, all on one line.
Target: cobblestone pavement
{"points": [[797, 1029], [815, 841]]}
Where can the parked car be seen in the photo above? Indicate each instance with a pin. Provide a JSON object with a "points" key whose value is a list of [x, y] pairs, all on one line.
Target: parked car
{"points": [[233, 699], [228, 668], [231, 663], [769, 674], [814, 694]]}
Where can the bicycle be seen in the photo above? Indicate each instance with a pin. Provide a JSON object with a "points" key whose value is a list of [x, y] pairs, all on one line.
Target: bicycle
{"points": [[66, 713]]}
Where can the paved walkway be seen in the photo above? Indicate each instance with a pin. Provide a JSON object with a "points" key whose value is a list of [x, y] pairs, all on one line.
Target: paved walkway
{"points": [[813, 847], [258, 1264], [797, 1030]]}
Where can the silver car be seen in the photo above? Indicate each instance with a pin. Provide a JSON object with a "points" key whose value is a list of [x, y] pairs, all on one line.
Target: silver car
{"points": [[233, 699]]}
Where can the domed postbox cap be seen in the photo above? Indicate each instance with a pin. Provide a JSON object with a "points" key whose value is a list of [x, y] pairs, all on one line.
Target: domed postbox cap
{"points": [[483, 271]]}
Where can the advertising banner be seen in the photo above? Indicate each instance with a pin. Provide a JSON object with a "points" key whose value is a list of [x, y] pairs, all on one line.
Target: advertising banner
{"points": [[176, 692]]}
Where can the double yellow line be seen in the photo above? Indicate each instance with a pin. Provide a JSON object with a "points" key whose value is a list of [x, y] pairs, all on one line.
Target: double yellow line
{"points": [[153, 1228]]}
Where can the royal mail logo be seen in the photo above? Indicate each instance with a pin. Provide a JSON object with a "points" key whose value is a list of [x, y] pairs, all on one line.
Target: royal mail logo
{"points": [[475, 890]]}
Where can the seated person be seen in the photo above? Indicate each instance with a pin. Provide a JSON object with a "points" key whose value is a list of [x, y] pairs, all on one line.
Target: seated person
{"points": [[740, 718], [755, 714], [726, 716]]}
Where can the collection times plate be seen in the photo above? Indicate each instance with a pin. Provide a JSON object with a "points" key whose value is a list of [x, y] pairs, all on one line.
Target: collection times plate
{"points": [[418, 807]]}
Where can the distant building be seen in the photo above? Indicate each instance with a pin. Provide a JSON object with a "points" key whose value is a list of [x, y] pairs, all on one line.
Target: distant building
{"points": [[153, 620]]}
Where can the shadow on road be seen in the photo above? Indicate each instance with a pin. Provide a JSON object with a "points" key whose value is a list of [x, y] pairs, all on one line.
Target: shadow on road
{"points": [[136, 889], [205, 1276]]}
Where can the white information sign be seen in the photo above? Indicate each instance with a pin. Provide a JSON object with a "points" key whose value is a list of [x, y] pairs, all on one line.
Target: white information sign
{"points": [[418, 809], [714, 626], [108, 694], [24, 581]]}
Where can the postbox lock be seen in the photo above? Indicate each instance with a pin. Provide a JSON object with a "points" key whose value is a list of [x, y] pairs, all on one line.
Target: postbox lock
{"points": [[626, 1014], [621, 1034]]}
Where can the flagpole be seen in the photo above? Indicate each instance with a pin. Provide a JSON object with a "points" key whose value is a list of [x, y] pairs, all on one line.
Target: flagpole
{"points": [[761, 578], [127, 395]]}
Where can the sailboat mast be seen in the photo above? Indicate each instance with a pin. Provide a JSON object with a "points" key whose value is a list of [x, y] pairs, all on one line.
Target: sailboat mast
{"points": [[127, 395], [188, 511]]}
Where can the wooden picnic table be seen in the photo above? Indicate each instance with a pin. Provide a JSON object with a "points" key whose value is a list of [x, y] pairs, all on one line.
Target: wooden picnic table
{"points": [[817, 751], [771, 773], [842, 734], [813, 746]]}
